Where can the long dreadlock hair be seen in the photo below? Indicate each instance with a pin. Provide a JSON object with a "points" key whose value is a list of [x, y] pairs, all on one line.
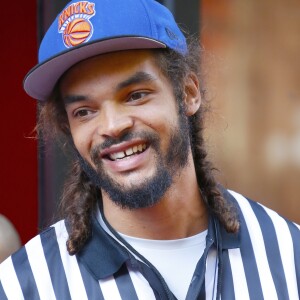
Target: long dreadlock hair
{"points": [[80, 195]]}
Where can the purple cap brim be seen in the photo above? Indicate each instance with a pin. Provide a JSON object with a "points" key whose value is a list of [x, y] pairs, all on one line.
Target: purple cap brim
{"points": [[48, 73]]}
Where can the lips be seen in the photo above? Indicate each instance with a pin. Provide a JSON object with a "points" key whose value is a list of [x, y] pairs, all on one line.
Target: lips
{"points": [[132, 153], [125, 157]]}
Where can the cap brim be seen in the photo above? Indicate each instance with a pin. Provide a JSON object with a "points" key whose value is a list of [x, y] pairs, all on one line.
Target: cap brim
{"points": [[40, 81]]}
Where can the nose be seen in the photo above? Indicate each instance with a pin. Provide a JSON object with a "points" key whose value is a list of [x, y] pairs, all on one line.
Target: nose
{"points": [[114, 120]]}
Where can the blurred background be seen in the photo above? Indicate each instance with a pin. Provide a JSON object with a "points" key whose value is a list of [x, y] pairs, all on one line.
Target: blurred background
{"points": [[252, 78], [253, 70]]}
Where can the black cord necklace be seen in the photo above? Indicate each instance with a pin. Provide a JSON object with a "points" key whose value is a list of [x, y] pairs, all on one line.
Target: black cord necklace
{"points": [[137, 254], [170, 295]]}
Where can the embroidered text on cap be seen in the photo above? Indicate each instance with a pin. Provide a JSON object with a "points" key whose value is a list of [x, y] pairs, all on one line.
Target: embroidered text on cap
{"points": [[74, 23]]}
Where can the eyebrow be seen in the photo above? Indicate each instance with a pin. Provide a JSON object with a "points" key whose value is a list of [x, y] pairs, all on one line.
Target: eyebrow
{"points": [[136, 78], [69, 99]]}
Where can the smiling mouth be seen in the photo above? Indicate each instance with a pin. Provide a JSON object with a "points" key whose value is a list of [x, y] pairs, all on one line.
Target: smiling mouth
{"points": [[137, 149]]}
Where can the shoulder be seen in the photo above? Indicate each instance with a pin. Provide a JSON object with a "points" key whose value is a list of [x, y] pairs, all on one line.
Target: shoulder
{"points": [[53, 237], [267, 259], [33, 262], [257, 216], [264, 230]]}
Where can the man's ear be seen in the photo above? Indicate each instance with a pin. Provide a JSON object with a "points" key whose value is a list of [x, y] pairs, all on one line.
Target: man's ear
{"points": [[192, 95]]}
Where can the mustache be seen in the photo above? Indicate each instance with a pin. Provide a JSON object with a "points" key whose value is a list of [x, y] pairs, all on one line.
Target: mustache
{"points": [[150, 138], [110, 141]]}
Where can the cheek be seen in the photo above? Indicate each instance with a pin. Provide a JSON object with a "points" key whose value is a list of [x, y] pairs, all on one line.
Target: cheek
{"points": [[159, 115], [163, 123], [82, 139]]}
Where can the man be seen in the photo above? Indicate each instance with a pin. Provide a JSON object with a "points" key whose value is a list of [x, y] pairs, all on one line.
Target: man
{"points": [[144, 217]]}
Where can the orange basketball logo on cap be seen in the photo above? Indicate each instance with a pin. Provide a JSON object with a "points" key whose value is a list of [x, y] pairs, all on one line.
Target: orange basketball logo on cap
{"points": [[74, 23]]}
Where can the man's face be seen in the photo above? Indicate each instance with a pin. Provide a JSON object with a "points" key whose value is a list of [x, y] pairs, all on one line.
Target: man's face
{"points": [[125, 124]]}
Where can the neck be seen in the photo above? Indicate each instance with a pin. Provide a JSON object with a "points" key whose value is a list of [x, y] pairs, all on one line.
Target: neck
{"points": [[180, 213]]}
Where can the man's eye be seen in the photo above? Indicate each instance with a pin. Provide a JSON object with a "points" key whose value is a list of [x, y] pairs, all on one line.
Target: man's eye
{"points": [[82, 112], [137, 96]]}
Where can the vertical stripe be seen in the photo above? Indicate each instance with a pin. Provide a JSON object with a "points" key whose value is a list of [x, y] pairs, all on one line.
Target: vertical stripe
{"points": [[211, 274], [10, 281], [295, 233], [238, 275], [2, 293], [227, 288], [272, 250], [257, 241], [54, 263], [125, 284], [249, 262], [70, 264], [91, 285], [286, 249], [141, 286], [25, 275], [39, 268], [109, 289]]}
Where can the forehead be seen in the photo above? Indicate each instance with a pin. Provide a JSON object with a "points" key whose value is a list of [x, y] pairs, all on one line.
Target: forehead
{"points": [[111, 68]]}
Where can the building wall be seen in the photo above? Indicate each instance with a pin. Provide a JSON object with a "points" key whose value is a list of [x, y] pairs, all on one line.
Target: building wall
{"points": [[252, 50]]}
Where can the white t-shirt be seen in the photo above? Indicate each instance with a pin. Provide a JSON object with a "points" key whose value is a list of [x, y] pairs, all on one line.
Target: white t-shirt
{"points": [[176, 260]]}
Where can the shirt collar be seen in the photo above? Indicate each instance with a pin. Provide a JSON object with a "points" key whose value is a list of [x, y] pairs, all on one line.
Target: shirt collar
{"points": [[103, 255]]}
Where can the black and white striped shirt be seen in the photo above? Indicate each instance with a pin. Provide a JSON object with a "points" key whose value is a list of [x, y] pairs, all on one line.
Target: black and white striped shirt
{"points": [[262, 261]]}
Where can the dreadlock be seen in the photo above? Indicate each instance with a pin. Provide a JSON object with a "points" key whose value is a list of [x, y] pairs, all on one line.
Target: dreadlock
{"points": [[176, 67], [80, 195]]}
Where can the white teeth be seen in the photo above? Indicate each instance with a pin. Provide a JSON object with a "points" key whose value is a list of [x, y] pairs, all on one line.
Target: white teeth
{"points": [[117, 155], [120, 155], [128, 152]]}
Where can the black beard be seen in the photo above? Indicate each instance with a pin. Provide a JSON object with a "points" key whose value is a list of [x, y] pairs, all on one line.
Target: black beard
{"points": [[151, 190]]}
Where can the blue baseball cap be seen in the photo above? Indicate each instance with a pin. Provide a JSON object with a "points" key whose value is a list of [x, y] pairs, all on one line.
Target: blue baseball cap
{"points": [[88, 28]]}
